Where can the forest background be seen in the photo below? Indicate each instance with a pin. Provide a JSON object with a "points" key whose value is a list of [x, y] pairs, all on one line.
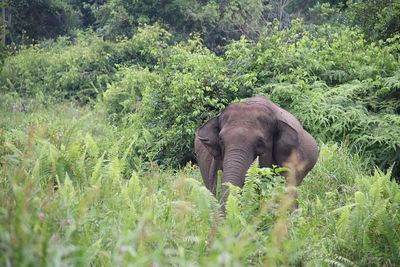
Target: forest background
{"points": [[100, 101]]}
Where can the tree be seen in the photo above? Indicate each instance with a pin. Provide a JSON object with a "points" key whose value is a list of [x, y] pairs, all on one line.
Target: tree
{"points": [[121, 17], [3, 24], [378, 19], [40, 19]]}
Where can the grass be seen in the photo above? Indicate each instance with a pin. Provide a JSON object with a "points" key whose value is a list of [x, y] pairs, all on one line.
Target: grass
{"points": [[72, 192]]}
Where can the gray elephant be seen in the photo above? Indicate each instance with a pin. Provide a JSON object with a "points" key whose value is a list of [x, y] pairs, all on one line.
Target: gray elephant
{"points": [[232, 140]]}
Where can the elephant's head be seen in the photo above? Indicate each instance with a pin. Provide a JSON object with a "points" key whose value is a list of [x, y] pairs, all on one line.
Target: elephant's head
{"points": [[246, 130]]}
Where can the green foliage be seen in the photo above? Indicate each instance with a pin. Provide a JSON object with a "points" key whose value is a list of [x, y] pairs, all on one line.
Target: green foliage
{"points": [[61, 70], [354, 215], [329, 53], [170, 90], [118, 18], [370, 222], [340, 87], [379, 20], [81, 185], [323, 13], [190, 85], [124, 95], [80, 68], [71, 193], [40, 19], [219, 22], [239, 18], [70, 196], [341, 113]]}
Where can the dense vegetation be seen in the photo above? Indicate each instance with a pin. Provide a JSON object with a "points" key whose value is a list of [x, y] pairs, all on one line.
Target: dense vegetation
{"points": [[70, 195], [100, 108]]}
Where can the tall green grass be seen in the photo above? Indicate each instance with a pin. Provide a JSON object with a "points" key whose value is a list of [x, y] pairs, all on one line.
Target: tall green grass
{"points": [[73, 192]]}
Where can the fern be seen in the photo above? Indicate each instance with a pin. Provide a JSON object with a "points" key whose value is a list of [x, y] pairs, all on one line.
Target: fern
{"points": [[233, 212], [341, 261], [343, 222], [368, 223], [97, 172]]}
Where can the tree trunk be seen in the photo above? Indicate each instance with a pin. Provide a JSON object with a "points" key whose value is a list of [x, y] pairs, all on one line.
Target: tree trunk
{"points": [[3, 12]]}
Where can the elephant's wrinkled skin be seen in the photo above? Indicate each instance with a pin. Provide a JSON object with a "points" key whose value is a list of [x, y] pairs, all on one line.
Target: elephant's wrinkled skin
{"points": [[243, 131]]}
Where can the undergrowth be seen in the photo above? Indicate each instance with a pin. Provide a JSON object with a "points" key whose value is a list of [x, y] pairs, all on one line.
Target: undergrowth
{"points": [[73, 193], [92, 132], [341, 87]]}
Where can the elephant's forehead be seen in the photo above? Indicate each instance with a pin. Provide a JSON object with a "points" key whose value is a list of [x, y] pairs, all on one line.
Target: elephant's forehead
{"points": [[246, 113]]}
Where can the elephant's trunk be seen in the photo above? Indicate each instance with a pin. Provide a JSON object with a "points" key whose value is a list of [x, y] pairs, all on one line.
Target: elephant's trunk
{"points": [[235, 165]]}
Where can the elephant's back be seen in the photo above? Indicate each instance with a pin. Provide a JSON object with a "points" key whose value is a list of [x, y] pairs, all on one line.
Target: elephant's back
{"points": [[309, 148], [277, 110], [287, 117]]}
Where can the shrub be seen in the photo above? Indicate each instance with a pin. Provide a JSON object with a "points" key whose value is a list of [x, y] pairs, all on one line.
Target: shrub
{"points": [[70, 195], [123, 96], [334, 54], [377, 19], [341, 114], [340, 87], [80, 68], [347, 216], [63, 69], [192, 86], [369, 222]]}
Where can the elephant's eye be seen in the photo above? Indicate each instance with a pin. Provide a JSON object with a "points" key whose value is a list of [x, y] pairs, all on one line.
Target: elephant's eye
{"points": [[260, 143], [260, 146]]}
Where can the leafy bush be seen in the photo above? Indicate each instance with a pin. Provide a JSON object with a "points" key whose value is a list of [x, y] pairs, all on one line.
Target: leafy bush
{"points": [[334, 54], [121, 18], [63, 69], [339, 113], [339, 86], [370, 222], [80, 68], [71, 195], [336, 223], [123, 96], [191, 85], [377, 19]]}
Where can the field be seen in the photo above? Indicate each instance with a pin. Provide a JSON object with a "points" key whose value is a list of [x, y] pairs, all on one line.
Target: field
{"points": [[69, 197]]}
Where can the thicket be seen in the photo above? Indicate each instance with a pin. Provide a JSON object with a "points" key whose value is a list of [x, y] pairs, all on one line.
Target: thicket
{"points": [[77, 67], [379, 20], [218, 22], [70, 196], [92, 121], [341, 87]]}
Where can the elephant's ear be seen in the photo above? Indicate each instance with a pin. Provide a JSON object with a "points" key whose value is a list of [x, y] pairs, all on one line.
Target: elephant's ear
{"points": [[208, 134], [287, 137]]}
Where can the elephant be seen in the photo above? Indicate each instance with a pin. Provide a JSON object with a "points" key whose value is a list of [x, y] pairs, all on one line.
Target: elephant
{"points": [[246, 130]]}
